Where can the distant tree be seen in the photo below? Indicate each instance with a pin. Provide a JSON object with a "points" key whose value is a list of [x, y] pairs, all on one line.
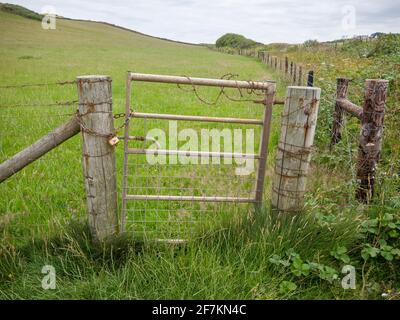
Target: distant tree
{"points": [[311, 43], [234, 40], [377, 35], [386, 45]]}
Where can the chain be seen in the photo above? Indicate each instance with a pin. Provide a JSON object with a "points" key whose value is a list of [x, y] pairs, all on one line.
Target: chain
{"points": [[110, 135]]}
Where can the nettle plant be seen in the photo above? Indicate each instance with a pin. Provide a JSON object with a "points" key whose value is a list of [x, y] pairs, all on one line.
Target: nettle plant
{"points": [[383, 234], [381, 240], [301, 268]]}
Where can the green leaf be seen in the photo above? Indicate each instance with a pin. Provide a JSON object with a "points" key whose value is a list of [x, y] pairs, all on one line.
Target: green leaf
{"points": [[396, 252], [370, 226], [340, 253], [387, 255], [275, 259], [369, 251], [299, 268], [286, 287], [328, 273], [393, 233]]}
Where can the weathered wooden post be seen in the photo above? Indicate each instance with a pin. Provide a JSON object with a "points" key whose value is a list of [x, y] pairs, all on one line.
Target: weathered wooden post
{"points": [[342, 85], [98, 155], [310, 78], [293, 157], [300, 80], [276, 63], [370, 145], [294, 73], [286, 65], [291, 70]]}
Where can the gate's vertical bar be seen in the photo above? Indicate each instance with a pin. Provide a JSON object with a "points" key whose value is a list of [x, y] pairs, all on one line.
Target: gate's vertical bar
{"points": [[299, 119], [266, 129], [98, 155], [128, 92]]}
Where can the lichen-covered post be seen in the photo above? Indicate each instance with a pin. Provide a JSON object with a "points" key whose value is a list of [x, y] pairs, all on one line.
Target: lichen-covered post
{"points": [[298, 123], [98, 154], [342, 85], [370, 145]]}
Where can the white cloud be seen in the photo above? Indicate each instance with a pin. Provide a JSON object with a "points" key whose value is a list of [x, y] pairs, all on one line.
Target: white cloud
{"points": [[262, 20]]}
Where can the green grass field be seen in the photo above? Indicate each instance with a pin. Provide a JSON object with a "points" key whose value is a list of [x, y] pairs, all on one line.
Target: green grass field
{"points": [[43, 207]]}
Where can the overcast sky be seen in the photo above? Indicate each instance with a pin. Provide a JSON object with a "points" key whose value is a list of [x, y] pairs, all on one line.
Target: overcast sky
{"points": [[262, 20]]}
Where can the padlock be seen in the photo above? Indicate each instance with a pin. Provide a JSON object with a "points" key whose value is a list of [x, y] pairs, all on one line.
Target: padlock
{"points": [[113, 141]]}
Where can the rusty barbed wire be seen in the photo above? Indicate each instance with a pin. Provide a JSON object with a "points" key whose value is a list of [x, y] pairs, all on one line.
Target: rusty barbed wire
{"points": [[222, 91], [38, 104], [60, 83]]}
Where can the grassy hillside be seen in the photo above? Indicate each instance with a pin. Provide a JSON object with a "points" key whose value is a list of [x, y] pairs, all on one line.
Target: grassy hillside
{"points": [[42, 208]]}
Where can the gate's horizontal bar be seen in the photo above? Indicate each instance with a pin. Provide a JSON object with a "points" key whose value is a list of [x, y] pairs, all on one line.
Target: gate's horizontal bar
{"points": [[194, 153], [194, 118], [190, 198], [267, 84]]}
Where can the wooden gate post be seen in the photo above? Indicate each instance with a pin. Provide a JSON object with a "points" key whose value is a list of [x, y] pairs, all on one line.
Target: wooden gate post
{"points": [[293, 157], [370, 145], [342, 85], [98, 156]]}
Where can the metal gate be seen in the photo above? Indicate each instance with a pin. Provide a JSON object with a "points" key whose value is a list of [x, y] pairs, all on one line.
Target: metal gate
{"points": [[185, 193]]}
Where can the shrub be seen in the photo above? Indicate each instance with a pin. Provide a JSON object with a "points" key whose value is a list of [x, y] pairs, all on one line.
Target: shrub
{"points": [[234, 40]]}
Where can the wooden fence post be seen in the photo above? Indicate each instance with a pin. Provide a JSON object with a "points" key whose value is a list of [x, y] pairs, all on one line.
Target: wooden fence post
{"points": [[286, 65], [310, 78], [300, 80], [338, 114], [291, 70], [294, 74], [293, 157], [98, 156], [369, 149]]}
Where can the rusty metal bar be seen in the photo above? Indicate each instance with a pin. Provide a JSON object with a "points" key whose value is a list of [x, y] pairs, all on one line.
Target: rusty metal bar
{"points": [[193, 153], [259, 186], [194, 118], [128, 93], [190, 198], [350, 107], [265, 85]]}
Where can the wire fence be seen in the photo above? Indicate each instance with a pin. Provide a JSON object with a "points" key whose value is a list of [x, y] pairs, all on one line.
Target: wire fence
{"points": [[29, 111], [39, 197]]}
